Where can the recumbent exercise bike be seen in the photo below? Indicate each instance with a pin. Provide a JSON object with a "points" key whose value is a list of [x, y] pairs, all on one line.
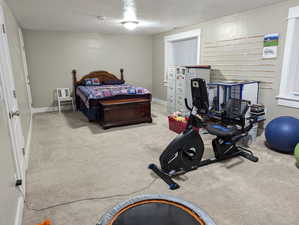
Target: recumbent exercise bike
{"points": [[185, 152]]}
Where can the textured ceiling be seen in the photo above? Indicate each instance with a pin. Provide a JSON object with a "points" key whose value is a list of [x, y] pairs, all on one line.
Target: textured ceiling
{"points": [[155, 16]]}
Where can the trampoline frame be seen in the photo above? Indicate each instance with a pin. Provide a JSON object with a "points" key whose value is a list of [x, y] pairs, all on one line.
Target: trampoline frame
{"points": [[109, 217]]}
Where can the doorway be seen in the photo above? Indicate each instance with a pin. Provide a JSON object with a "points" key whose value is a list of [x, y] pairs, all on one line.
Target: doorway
{"points": [[182, 49], [11, 105]]}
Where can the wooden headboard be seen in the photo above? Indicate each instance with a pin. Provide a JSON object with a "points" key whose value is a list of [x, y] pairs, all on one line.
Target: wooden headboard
{"points": [[101, 75]]}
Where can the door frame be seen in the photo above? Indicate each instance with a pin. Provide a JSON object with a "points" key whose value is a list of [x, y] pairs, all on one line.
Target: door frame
{"points": [[6, 68], [179, 37], [25, 67]]}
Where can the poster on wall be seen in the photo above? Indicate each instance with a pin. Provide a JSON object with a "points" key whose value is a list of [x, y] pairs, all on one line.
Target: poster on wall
{"points": [[270, 46]]}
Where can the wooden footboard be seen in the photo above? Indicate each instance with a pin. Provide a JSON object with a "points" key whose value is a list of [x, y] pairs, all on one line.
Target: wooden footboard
{"points": [[120, 112]]}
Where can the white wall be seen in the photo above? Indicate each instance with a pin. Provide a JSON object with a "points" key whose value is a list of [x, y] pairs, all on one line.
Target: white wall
{"points": [[53, 55], [270, 19]]}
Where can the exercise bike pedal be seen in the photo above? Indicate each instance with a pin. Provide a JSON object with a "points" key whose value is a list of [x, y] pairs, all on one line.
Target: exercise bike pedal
{"points": [[164, 176], [249, 156]]}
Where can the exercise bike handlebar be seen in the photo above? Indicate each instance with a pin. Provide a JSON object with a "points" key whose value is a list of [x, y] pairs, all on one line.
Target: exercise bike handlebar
{"points": [[252, 121], [187, 105]]}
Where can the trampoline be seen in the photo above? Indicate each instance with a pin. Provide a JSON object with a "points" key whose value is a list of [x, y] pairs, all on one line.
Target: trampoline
{"points": [[155, 210]]}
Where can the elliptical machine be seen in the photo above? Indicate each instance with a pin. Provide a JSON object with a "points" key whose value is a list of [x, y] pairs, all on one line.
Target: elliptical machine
{"points": [[185, 152]]}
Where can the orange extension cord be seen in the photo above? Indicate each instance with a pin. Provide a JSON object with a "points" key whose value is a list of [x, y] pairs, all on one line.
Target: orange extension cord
{"points": [[46, 222]]}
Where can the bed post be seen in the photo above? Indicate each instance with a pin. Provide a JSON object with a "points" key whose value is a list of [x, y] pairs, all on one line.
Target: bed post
{"points": [[74, 72], [122, 74]]}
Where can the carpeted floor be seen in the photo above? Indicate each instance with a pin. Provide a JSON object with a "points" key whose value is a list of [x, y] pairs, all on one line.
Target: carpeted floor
{"points": [[72, 160]]}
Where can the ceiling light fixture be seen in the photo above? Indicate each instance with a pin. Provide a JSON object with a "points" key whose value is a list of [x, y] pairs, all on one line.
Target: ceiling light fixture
{"points": [[130, 25]]}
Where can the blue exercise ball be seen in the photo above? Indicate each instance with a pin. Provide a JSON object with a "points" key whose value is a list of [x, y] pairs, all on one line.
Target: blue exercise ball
{"points": [[282, 134]]}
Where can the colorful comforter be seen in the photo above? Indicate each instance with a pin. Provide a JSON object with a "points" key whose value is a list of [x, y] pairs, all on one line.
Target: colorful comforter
{"points": [[107, 91]]}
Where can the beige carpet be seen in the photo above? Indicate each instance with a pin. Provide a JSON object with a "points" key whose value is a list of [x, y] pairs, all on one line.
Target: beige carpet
{"points": [[72, 159]]}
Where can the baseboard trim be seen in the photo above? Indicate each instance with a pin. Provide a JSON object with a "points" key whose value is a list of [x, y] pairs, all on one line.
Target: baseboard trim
{"points": [[159, 101], [55, 108], [28, 143], [50, 109], [44, 109], [19, 212]]}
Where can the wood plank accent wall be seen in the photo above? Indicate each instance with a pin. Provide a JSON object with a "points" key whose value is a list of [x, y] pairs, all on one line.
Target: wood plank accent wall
{"points": [[239, 59]]}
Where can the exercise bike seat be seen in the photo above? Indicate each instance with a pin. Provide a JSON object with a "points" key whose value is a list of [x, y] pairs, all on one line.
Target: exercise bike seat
{"points": [[222, 131]]}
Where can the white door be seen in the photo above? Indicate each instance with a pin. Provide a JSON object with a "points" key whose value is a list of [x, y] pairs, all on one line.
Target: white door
{"points": [[25, 67], [6, 76]]}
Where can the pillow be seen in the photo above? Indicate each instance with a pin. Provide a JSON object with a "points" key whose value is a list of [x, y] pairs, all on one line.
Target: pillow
{"points": [[95, 81], [87, 82], [92, 82], [113, 82]]}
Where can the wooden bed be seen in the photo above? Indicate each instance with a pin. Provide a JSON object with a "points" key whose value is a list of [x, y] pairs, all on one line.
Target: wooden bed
{"points": [[116, 110]]}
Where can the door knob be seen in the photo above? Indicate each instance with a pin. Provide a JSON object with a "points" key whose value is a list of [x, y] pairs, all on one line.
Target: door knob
{"points": [[12, 114], [19, 182]]}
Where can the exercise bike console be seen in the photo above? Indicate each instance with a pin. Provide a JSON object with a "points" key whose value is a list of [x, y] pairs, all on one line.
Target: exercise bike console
{"points": [[185, 152]]}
